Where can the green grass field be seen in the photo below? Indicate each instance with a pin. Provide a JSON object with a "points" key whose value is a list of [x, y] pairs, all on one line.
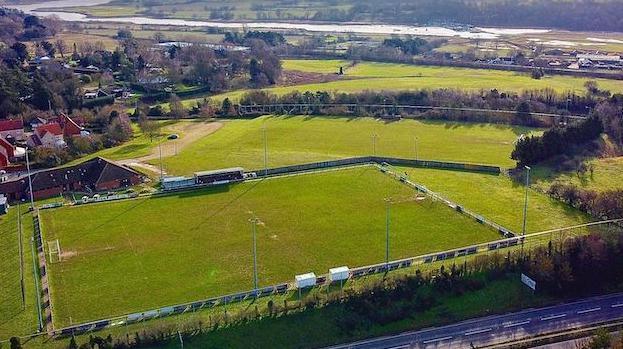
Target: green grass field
{"points": [[607, 174], [498, 198], [324, 66], [139, 145], [299, 139], [16, 319], [139, 254]]}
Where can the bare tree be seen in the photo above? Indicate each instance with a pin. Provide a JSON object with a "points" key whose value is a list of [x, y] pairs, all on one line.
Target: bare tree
{"points": [[61, 47]]}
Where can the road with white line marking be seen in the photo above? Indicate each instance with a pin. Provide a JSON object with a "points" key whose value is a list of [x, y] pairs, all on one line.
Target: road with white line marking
{"points": [[504, 328]]}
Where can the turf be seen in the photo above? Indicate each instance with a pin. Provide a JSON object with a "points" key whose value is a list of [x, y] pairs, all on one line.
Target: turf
{"points": [[498, 198], [607, 174], [294, 140], [158, 251], [16, 319]]}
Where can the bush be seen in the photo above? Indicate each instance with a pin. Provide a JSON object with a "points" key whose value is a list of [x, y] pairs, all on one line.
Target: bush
{"points": [[85, 79], [156, 111]]}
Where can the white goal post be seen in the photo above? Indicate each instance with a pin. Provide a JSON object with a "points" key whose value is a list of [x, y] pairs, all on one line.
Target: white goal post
{"points": [[54, 251]]}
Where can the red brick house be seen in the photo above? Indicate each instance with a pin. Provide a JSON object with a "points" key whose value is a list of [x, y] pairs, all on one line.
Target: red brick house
{"points": [[97, 174]]}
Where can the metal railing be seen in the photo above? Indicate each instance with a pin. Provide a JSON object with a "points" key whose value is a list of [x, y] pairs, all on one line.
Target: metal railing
{"points": [[386, 109]]}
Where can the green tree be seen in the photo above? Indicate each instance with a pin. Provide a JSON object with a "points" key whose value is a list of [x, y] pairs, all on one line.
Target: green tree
{"points": [[226, 108], [537, 73], [72, 343], [15, 343], [522, 115], [21, 50], [42, 97], [601, 340]]}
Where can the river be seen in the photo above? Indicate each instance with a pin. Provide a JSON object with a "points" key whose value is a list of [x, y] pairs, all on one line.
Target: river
{"points": [[478, 33]]}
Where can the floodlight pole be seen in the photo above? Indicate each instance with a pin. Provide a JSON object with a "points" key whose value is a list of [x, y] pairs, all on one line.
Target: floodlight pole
{"points": [[388, 202], [415, 147], [525, 206], [525, 209], [374, 136], [32, 199]]}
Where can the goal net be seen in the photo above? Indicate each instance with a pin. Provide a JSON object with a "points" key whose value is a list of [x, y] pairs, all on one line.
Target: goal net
{"points": [[54, 251]]}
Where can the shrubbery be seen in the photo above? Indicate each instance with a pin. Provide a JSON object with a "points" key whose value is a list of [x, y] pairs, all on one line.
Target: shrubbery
{"points": [[555, 141]]}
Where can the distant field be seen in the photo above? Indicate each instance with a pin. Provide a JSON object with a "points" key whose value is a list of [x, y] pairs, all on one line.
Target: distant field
{"points": [[299, 139], [242, 9], [325, 66], [158, 251], [397, 77]]}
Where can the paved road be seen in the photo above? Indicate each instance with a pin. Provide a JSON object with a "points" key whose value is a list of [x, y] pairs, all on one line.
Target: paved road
{"points": [[504, 328]]}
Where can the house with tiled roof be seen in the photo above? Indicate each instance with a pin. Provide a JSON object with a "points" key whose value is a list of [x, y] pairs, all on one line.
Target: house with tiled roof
{"points": [[49, 135], [7, 152], [12, 129], [97, 174], [70, 126]]}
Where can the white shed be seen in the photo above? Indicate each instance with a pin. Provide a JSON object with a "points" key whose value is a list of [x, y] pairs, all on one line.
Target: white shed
{"points": [[339, 273], [305, 280]]}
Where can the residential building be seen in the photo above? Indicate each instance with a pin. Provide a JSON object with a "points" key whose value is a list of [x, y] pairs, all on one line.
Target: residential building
{"points": [[12, 129], [97, 174], [49, 135], [7, 153]]}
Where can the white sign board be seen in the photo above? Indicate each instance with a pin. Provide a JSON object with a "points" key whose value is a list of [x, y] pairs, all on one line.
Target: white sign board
{"points": [[528, 282]]}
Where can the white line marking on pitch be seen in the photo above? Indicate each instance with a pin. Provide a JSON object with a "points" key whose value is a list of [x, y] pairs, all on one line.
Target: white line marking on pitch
{"points": [[553, 317], [437, 340], [478, 331], [517, 324], [589, 310], [617, 305]]}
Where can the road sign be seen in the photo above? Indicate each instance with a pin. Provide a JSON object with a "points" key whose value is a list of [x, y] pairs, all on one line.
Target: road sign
{"points": [[528, 281]]}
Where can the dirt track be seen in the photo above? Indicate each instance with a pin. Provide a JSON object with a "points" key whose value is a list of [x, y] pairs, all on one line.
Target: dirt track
{"points": [[189, 132]]}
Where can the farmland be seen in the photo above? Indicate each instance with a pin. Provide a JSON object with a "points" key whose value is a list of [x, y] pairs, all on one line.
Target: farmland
{"points": [[141, 241], [299, 139], [398, 77]]}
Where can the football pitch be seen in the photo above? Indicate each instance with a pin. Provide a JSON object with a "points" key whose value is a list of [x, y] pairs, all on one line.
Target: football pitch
{"points": [[135, 255], [299, 139]]}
